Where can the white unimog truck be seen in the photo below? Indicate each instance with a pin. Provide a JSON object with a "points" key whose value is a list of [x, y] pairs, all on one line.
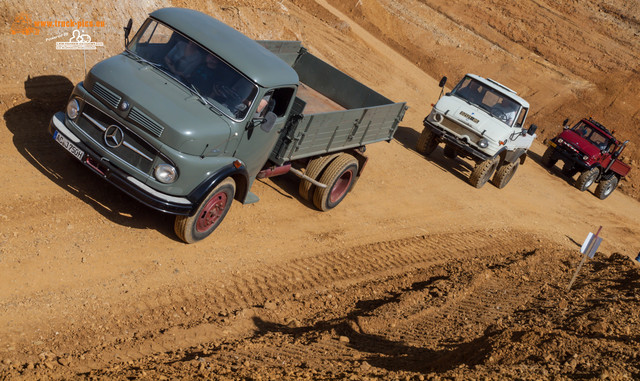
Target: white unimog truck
{"points": [[482, 120]]}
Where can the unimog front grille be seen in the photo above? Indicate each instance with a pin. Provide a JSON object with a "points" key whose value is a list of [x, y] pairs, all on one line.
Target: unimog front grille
{"points": [[133, 149], [460, 130]]}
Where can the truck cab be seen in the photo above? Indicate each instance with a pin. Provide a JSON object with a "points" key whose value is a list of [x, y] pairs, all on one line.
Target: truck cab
{"points": [[483, 120]]}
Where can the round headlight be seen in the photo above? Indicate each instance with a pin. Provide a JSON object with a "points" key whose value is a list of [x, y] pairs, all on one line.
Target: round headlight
{"points": [[438, 117], [166, 173], [585, 157], [73, 108], [560, 141], [483, 143]]}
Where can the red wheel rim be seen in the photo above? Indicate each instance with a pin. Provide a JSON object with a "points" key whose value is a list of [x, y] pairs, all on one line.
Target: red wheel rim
{"points": [[341, 186], [212, 212]]}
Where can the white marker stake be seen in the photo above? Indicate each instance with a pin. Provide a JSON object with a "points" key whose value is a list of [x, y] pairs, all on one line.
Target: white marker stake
{"points": [[588, 249]]}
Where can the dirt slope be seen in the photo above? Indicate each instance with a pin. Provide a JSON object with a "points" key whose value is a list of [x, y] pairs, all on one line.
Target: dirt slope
{"points": [[416, 275]]}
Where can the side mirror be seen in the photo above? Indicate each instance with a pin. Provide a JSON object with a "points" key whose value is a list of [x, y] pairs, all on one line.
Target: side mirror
{"points": [[565, 122], [268, 122], [443, 81], [127, 31], [532, 129]]}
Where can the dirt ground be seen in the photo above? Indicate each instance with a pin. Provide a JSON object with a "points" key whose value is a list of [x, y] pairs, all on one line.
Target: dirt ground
{"points": [[416, 275]]}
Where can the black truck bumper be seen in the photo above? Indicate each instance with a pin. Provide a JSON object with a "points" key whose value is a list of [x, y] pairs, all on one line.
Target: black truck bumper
{"points": [[114, 175]]}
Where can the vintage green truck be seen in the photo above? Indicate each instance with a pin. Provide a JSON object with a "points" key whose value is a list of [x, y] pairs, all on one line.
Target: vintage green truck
{"points": [[193, 111]]}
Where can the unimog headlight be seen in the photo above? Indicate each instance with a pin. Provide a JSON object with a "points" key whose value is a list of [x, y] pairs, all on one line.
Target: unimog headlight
{"points": [[438, 117], [483, 143], [73, 109], [166, 173]]}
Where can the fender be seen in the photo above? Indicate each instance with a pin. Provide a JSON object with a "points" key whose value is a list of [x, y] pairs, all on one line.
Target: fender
{"points": [[240, 175], [518, 153]]}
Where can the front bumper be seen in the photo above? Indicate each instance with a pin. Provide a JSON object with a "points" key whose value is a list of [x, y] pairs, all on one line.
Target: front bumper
{"points": [[119, 178], [460, 145], [570, 158]]}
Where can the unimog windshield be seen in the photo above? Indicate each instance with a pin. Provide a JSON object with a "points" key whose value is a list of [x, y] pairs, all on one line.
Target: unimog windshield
{"points": [[202, 72], [592, 135], [490, 100]]}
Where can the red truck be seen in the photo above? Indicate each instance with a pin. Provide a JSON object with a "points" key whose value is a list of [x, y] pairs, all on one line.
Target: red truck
{"points": [[590, 149]]}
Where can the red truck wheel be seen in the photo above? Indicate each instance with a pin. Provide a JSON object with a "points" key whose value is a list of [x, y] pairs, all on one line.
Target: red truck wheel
{"points": [[427, 142], [546, 158], [209, 215], [483, 172], [587, 178], [339, 177], [606, 187]]}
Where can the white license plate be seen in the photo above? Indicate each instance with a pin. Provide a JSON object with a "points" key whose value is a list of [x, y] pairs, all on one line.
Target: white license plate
{"points": [[75, 151]]}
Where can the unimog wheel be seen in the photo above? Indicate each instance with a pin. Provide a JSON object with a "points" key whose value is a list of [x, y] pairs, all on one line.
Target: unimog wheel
{"points": [[504, 174], [606, 187], [314, 169], [427, 142], [546, 158], [483, 172], [209, 215], [450, 152], [587, 178], [339, 176]]}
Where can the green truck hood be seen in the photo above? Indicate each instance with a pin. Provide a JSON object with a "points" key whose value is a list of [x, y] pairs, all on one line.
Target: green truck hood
{"points": [[178, 119]]}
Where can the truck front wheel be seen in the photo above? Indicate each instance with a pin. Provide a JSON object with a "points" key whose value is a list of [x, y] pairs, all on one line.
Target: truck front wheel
{"points": [[482, 172], [209, 215], [504, 174], [339, 177], [587, 178], [427, 142], [606, 187], [547, 160]]}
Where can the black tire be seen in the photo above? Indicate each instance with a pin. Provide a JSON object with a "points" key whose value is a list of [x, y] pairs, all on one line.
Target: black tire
{"points": [[504, 174], [587, 178], [483, 172], [569, 170], [427, 142], [209, 215], [339, 176], [606, 187], [314, 170], [546, 158], [450, 152]]}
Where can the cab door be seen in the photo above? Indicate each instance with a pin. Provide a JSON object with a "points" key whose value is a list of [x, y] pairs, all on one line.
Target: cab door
{"points": [[261, 132]]}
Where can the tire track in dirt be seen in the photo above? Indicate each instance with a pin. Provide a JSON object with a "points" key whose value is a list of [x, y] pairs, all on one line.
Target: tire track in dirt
{"points": [[213, 313]]}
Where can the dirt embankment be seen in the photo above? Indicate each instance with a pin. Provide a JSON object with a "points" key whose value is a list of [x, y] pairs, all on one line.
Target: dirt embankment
{"points": [[569, 60]]}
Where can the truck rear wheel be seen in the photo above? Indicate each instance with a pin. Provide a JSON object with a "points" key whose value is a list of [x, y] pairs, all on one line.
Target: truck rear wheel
{"points": [[209, 215], [339, 177], [606, 187], [482, 172], [504, 174], [450, 152], [427, 142], [546, 158], [314, 169], [587, 178]]}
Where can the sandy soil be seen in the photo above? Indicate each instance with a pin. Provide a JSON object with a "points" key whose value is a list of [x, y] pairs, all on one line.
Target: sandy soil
{"points": [[416, 275]]}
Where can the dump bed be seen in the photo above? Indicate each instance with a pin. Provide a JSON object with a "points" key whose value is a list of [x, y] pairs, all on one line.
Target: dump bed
{"points": [[332, 111]]}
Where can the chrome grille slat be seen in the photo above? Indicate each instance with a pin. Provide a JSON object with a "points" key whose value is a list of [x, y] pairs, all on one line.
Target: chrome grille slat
{"points": [[139, 117], [107, 95]]}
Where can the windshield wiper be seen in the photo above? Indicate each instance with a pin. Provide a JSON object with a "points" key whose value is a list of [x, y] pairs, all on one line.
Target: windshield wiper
{"points": [[197, 93]]}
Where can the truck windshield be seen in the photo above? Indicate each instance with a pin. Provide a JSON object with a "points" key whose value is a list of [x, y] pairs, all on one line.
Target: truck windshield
{"points": [[194, 67], [487, 98], [592, 135]]}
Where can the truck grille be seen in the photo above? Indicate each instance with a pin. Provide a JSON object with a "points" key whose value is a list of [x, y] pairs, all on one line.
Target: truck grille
{"points": [[107, 95], [460, 130], [134, 150]]}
